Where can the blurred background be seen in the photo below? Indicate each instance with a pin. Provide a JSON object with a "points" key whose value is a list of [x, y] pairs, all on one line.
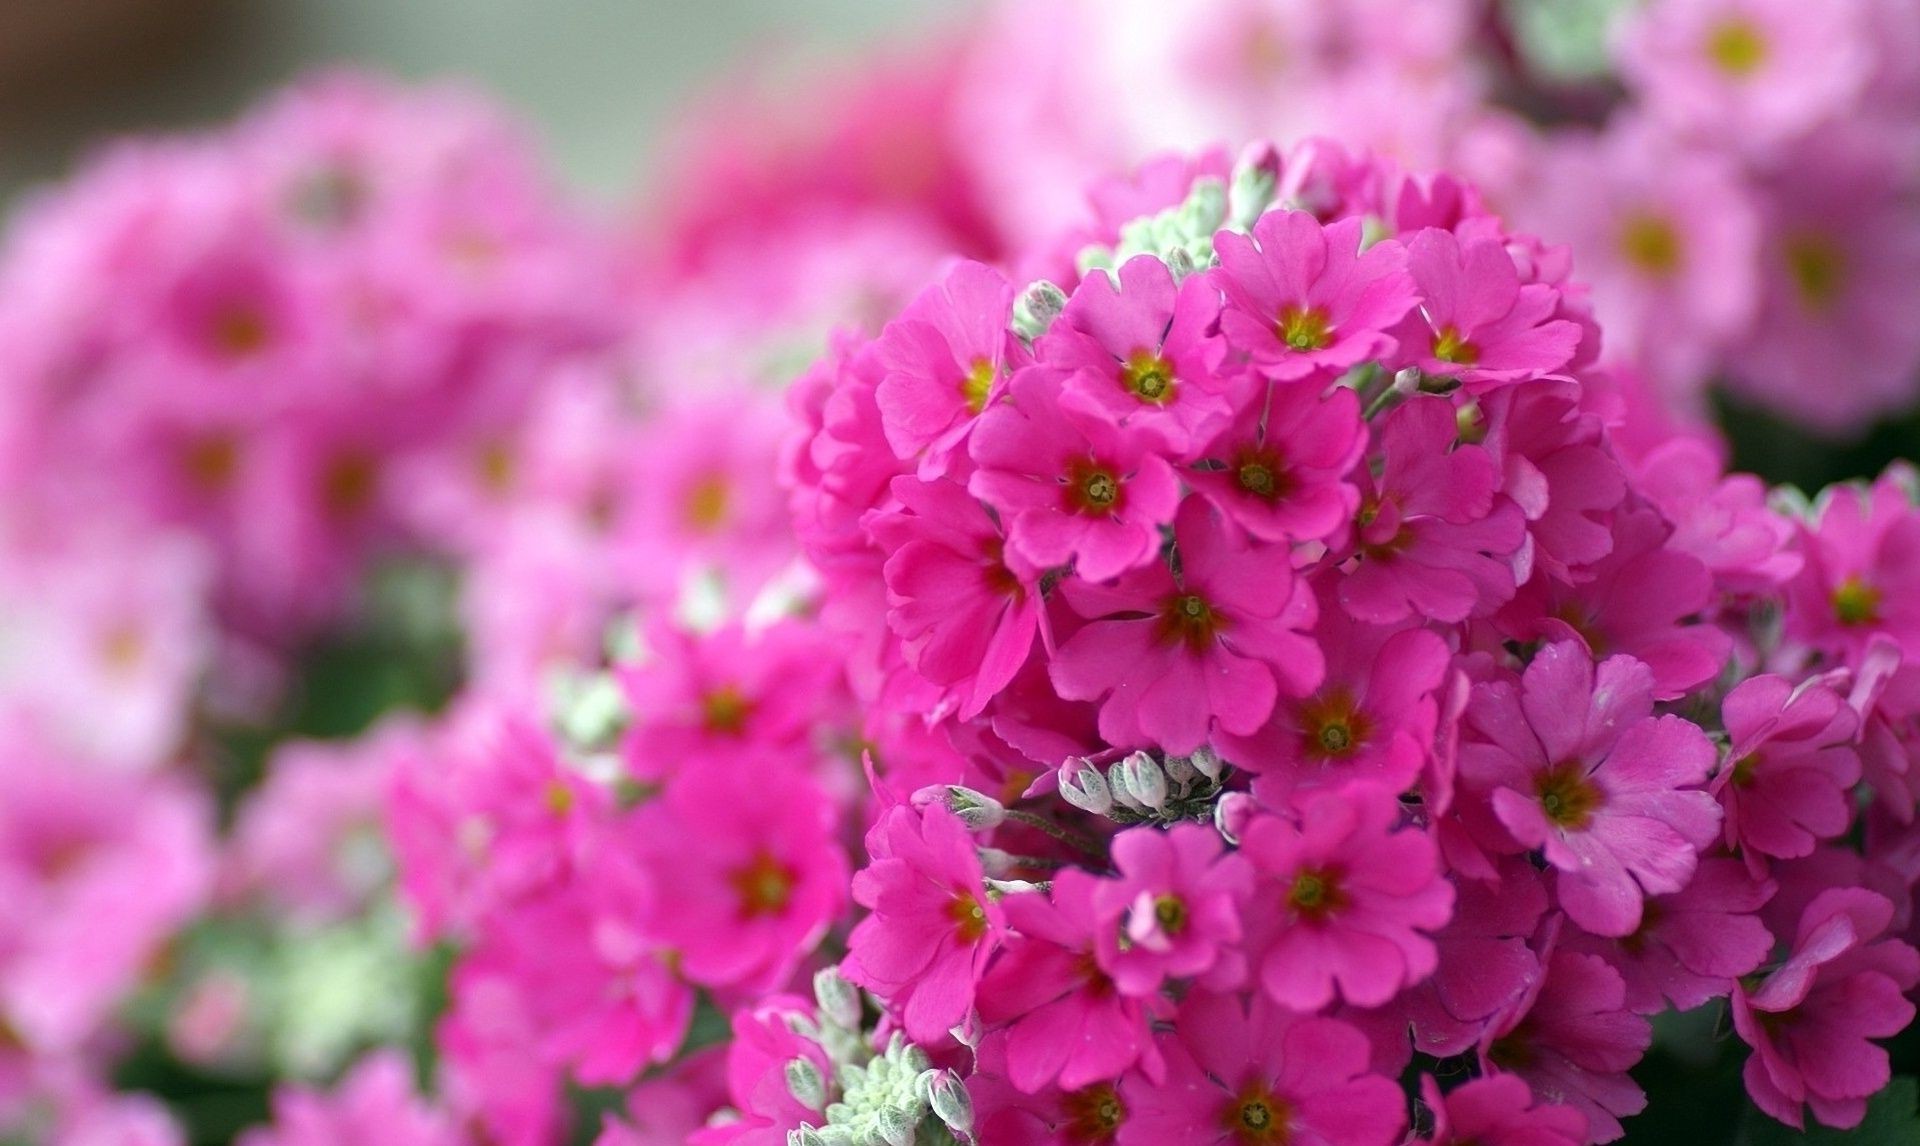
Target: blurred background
{"points": [[596, 77]]}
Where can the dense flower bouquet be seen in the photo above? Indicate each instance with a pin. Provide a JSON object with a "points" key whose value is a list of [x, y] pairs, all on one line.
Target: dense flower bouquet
{"points": [[1260, 653]]}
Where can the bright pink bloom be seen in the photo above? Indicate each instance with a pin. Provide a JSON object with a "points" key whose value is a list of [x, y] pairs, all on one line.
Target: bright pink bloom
{"points": [[375, 1102], [1578, 765], [1372, 718], [932, 927], [1476, 321], [1170, 659], [1432, 536], [747, 870], [1486, 961], [1304, 299], [763, 1044], [727, 692], [1174, 909], [1139, 353], [945, 357], [1692, 945], [965, 618], [1641, 600], [1572, 1041], [307, 842], [1811, 1020], [1240, 1073], [1067, 1024], [1283, 461], [1791, 767], [1070, 487], [1361, 900], [483, 811], [1498, 1110], [1862, 573]]}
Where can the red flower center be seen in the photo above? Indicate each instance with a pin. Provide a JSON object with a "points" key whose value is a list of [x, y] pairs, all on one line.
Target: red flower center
{"points": [[764, 886], [1094, 1114], [1148, 377], [1189, 620], [1567, 796], [1256, 1117]]}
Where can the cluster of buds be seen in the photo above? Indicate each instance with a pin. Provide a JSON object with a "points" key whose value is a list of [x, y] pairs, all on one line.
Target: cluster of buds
{"points": [[1144, 788], [890, 1097]]}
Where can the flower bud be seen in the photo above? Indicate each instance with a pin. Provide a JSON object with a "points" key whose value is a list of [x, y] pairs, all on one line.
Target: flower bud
{"points": [[977, 810], [951, 1103], [805, 1136], [1231, 814], [1207, 762], [1256, 176], [1139, 781], [896, 1126], [839, 1000], [1082, 785], [1180, 772], [805, 1084], [1036, 308], [970, 1030]]}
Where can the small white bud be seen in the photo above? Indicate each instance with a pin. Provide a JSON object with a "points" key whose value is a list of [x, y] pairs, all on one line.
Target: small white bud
{"points": [[1082, 785], [1256, 177], [839, 1000], [1180, 263], [805, 1084], [1036, 308], [970, 1030], [805, 1136], [996, 863], [976, 810], [1180, 772], [1141, 778], [1207, 762], [951, 1103]]}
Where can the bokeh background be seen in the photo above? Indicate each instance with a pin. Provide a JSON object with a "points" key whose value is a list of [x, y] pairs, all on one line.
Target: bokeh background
{"points": [[597, 77]]}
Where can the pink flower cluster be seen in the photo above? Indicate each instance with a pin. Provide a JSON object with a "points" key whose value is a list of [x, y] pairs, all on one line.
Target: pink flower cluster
{"points": [[1296, 683]]}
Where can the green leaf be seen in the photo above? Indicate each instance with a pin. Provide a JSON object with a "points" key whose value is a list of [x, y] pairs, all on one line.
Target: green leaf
{"points": [[1893, 1119]]}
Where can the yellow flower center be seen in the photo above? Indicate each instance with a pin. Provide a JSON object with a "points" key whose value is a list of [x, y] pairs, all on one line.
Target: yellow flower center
{"points": [[1736, 47], [1305, 328], [1257, 1118], [1651, 243], [764, 886], [1567, 796], [1856, 603], [1818, 269], [1449, 345], [977, 384], [1148, 377]]}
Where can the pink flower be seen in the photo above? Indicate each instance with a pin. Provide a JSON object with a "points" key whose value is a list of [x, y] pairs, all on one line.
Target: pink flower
{"points": [[375, 1102], [1668, 235], [944, 358], [1284, 459], [1835, 290], [1809, 1021], [1692, 945], [1576, 764], [726, 692], [1070, 487], [1720, 519], [1432, 537], [763, 1043], [98, 870], [1240, 1073], [1138, 353], [1558, 469], [746, 868], [1791, 767], [1498, 1110], [932, 927], [1361, 900], [965, 618], [1174, 909], [1476, 321], [1640, 600], [1066, 1022], [1170, 659], [1572, 1041], [1373, 717], [1304, 299], [1862, 573], [1749, 72]]}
